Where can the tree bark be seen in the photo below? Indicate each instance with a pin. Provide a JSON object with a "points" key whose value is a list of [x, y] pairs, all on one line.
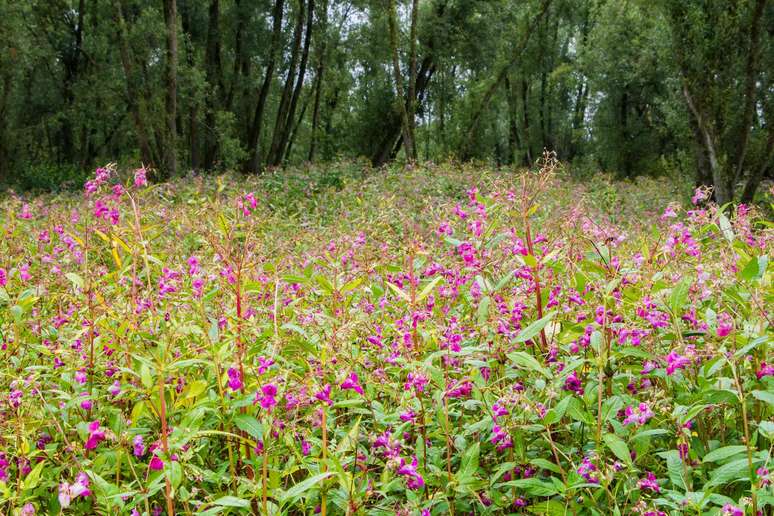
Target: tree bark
{"points": [[214, 76], [408, 141], [499, 79], [252, 164], [751, 71], [170, 101], [318, 79], [132, 88], [288, 118], [411, 100]]}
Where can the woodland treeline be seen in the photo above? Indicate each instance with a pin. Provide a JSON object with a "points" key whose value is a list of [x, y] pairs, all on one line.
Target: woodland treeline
{"points": [[628, 86]]}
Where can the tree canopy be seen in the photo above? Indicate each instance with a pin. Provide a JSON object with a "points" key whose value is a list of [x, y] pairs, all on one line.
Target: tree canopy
{"points": [[628, 86]]}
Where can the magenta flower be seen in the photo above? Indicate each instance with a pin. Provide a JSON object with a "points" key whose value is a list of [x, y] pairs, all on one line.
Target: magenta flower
{"points": [[115, 389], [324, 395], [725, 325], [78, 488], [264, 364], [234, 379], [573, 384], [415, 480], [156, 464], [96, 436], [138, 446], [731, 510], [416, 381], [3, 277], [140, 177], [267, 398], [765, 370], [676, 361], [587, 470], [638, 416], [649, 482], [352, 382]]}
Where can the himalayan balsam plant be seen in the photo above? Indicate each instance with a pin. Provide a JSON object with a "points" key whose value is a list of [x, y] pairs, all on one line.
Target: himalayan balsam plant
{"points": [[167, 349]]}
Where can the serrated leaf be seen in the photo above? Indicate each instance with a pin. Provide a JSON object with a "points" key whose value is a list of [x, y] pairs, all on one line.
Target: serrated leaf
{"points": [[302, 487], [533, 329], [619, 448], [724, 453], [250, 425]]}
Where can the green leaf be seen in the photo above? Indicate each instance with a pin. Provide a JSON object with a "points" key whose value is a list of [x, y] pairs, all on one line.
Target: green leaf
{"points": [[755, 268], [534, 328], [725, 227], [618, 447], [766, 396], [469, 463], [483, 310], [75, 279], [724, 453], [232, 501], [766, 428], [679, 295], [675, 468], [533, 486], [302, 487], [401, 293], [527, 361], [250, 425], [428, 289], [32, 479], [732, 471]]}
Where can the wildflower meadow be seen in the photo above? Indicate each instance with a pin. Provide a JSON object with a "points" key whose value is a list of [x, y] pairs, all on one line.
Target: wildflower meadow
{"points": [[437, 340]]}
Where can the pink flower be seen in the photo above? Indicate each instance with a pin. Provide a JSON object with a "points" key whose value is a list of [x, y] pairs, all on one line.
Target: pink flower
{"points": [[69, 491], [96, 436], [415, 480], [640, 415], [3, 277], [140, 177], [731, 510], [352, 382], [676, 361], [324, 395], [234, 379], [765, 370], [267, 397], [156, 464], [573, 384], [138, 448], [725, 325], [649, 482]]}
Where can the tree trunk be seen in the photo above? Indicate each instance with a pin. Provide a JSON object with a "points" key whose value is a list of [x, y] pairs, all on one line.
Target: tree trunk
{"points": [[287, 123], [754, 180], [253, 162], [214, 76], [525, 115], [408, 142], [513, 123], [499, 79], [723, 190], [170, 101], [132, 88], [411, 100], [193, 108], [318, 79], [751, 71]]}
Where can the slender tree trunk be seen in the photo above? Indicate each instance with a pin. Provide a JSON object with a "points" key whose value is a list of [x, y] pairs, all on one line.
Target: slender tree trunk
{"points": [[282, 133], [170, 152], [756, 176], [751, 72], [132, 89], [525, 116], [318, 79], [513, 122], [408, 142], [294, 131], [214, 75], [193, 108], [413, 76], [287, 90], [489, 94], [723, 191], [253, 162]]}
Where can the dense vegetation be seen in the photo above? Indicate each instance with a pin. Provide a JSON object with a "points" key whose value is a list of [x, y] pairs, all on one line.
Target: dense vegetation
{"points": [[431, 340], [682, 87]]}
